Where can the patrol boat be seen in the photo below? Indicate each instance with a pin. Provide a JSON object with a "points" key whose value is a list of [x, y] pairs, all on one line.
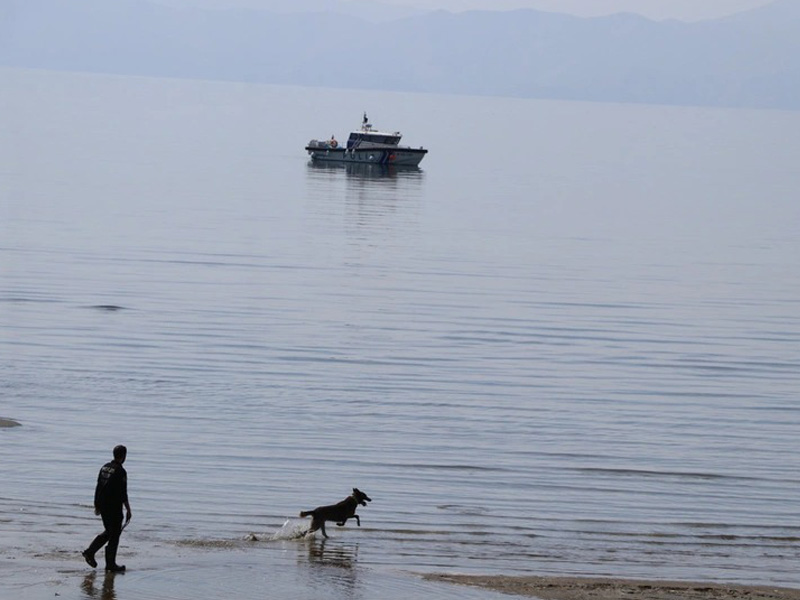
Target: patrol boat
{"points": [[367, 146]]}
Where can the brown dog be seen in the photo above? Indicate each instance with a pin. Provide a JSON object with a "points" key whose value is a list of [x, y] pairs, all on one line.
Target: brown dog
{"points": [[339, 512]]}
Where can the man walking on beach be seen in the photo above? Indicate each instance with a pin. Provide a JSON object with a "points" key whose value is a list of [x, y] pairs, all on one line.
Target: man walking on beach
{"points": [[110, 495]]}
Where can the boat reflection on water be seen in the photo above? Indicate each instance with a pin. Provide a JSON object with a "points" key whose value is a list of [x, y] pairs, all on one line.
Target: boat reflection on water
{"points": [[368, 170], [377, 202]]}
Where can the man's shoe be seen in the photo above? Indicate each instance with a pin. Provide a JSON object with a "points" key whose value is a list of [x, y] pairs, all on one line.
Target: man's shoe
{"points": [[115, 569], [89, 559]]}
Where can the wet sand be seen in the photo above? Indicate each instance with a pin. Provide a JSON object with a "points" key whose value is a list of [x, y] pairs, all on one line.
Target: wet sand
{"points": [[43, 567], [580, 588]]}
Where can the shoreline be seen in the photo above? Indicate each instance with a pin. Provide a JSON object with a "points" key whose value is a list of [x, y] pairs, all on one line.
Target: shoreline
{"points": [[596, 588]]}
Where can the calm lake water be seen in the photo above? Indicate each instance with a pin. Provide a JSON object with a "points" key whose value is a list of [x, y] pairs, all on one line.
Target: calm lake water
{"points": [[568, 344]]}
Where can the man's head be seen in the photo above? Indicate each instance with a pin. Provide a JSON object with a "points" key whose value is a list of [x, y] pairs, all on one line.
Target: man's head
{"points": [[120, 452]]}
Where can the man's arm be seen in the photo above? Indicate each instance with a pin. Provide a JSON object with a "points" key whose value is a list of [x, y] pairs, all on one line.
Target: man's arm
{"points": [[128, 513], [98, 490]]}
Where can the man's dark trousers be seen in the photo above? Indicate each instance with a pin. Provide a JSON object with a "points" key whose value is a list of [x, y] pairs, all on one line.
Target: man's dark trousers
{"points": [[112, 521]]}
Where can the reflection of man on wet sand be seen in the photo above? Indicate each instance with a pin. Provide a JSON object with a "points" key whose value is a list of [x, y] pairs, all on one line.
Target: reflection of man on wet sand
{"points": [[104, 593], [110, 495]]}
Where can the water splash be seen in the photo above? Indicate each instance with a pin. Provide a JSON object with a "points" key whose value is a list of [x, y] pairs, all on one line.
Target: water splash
{"points": [[292, 529]]}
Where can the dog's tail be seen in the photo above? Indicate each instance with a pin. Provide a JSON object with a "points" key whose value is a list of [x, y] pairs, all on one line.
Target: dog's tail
{"points": [[306, 513]]}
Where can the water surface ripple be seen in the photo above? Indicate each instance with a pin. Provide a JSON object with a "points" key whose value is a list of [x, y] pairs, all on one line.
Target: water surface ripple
{"points": [[580, 358]]}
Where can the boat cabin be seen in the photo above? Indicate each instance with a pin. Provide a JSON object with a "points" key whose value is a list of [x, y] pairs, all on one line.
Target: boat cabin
{"points": [[368, 137]]}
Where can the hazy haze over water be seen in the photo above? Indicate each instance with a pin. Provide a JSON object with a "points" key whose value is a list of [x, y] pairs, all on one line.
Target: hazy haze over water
{"points": [[657, 9], [568, 344]]}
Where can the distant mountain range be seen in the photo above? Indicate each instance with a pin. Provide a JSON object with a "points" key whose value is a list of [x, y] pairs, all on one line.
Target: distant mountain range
{"points": [[751, 59]]}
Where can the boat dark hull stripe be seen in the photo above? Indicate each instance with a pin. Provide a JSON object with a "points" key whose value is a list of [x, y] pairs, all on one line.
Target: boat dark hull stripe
{"points": [[381, 156]]}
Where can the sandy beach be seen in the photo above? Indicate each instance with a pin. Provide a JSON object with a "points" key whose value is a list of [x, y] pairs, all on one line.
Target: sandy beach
{"points": [[579, 588]]}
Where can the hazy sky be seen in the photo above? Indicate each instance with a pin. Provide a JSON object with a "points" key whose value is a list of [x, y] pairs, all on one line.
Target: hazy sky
{"points": [[657, 9], [679, 9]]}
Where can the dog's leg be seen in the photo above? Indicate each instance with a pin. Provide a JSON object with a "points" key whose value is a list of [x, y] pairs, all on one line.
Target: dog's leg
{"points": [[315, 524], [342, 522], [322, 529]]}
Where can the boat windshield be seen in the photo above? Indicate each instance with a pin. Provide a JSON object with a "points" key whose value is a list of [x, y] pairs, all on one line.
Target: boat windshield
{"points": [[357, 137]]}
